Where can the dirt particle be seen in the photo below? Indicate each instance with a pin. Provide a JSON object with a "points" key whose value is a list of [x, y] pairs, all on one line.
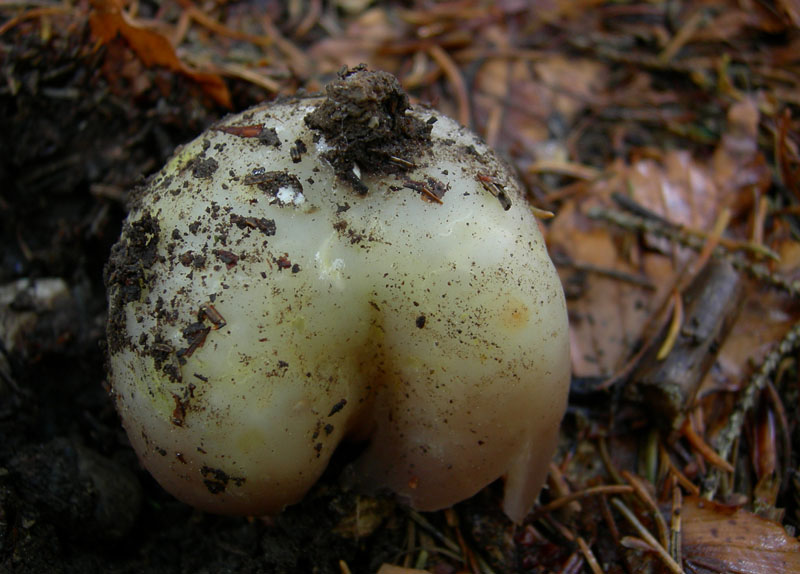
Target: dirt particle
{"points": [[204, 168], [195, 334], [165, 359], [283, 262], [272, 182], [337, 407], [431, 190], [297, 151], [192, 259], [268, 136], [179, 412], [266, 226], [217, 480], [227, 257], [126, 273]]}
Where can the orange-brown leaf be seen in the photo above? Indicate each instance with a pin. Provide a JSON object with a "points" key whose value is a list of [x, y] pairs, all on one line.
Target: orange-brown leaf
{"points": [[717, 538], [108, 20]]}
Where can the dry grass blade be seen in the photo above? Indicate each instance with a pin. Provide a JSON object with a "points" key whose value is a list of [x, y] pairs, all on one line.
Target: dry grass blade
{"points": [[674, 327]]}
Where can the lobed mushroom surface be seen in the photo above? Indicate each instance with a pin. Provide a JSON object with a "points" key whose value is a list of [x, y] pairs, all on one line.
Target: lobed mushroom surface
{"points": [[329, 268]]}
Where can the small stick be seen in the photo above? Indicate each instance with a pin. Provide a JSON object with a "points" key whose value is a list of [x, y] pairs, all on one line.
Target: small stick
{"points": [[695, 240]]}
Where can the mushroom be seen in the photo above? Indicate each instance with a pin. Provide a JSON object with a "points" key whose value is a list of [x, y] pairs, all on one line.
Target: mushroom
{"points": [[329, 268]]}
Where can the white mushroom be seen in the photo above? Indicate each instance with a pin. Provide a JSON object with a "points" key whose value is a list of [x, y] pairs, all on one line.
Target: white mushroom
{"points": [[337, 268]]}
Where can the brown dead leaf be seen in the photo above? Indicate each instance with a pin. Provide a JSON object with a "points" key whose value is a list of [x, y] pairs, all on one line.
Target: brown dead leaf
{"points": [[525, 96], [607, 315], [677, 187], [108, 20], [717, 538], [787, 153], [792, 9], [689, 191], [575, 84], [766, 316]]}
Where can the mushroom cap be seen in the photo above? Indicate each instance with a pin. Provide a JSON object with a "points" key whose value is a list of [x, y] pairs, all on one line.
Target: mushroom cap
{"points": [[262, 310]]}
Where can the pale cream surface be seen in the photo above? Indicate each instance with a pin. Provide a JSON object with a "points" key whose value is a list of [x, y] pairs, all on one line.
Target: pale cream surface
{"points": [[437, 333]]}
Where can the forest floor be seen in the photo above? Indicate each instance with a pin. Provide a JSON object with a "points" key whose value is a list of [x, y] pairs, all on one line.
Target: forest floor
{"points": [[664, 137]]}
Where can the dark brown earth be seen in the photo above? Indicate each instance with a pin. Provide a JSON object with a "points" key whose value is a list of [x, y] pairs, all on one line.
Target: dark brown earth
{"points": [[363, 117]]}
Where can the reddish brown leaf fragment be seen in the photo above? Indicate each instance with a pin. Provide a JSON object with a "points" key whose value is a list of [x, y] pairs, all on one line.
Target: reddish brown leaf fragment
{"points": [[283, 262], [242, 131], [179, 412], [108, 20]]}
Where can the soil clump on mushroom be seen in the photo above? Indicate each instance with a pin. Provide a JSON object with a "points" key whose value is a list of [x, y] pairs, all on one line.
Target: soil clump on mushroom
{"points": [[364, 119]]}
